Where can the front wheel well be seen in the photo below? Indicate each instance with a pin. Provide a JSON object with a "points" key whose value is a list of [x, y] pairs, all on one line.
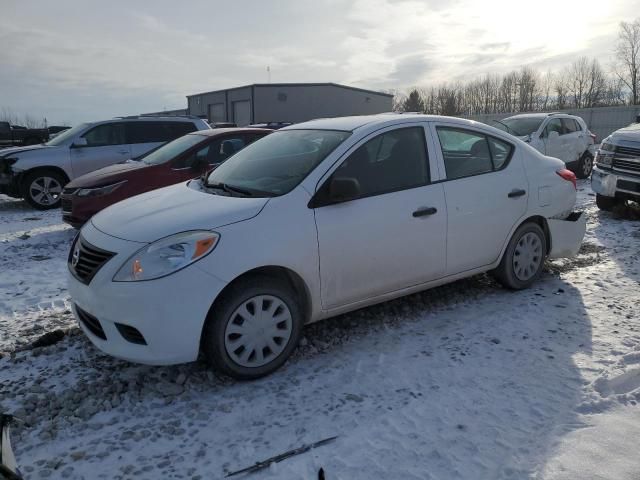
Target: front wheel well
{"points": [[284, 274], [37, 170]]}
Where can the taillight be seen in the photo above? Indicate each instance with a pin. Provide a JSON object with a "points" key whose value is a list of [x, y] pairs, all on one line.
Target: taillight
{"points": [[569, 176]]}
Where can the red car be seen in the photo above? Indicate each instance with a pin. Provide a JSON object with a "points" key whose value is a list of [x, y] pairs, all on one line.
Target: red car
{"points": [[177, 161]]}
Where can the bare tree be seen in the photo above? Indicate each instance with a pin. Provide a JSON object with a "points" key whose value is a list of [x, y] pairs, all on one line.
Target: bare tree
{"points": [[628, 56]]}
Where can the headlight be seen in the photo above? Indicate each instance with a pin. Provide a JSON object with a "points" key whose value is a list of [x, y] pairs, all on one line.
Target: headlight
{"points": [[99, 191], [604, 155], [167, 255]]}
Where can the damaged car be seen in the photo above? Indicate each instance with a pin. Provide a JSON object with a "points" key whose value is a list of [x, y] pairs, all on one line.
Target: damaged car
{"points": [[315, 220]]}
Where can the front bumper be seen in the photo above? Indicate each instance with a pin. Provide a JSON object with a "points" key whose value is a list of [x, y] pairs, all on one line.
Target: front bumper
{"points": [[613, 184], [168, 312]]}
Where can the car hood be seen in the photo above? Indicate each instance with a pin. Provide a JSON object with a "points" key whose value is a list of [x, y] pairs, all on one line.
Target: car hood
{"points": [[8, 152], [110, 174], [630, 134], [178, 208]]}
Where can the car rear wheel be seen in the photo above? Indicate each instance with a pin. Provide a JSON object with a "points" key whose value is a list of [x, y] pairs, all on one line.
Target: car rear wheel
{"points": [[585, 166], [252, 331], [607, 203], [524, 258], [42, 189]]}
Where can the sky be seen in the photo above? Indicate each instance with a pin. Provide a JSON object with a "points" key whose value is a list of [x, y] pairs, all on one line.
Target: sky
{"points": [[71, 61]]}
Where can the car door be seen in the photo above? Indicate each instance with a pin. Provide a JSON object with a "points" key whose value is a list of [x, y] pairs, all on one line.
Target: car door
{"points": [[575, 139], [105, 144], [389, 236], [557, 143], [486, 193]]}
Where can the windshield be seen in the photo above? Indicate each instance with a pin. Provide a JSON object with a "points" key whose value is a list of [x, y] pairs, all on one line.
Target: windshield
{"points": [[64, 136], [172, 149], [277, 163], [520, 126]]}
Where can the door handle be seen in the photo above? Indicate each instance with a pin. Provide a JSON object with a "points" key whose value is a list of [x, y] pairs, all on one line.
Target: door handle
{"points": [[517, 192], [423, 212]]}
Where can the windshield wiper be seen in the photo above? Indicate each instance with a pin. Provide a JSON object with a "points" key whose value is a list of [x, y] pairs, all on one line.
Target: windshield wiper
{"points": [[229, 189]]}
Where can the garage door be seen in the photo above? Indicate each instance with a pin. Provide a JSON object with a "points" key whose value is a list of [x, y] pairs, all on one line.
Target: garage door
{"points": [[242, 113], [217, 113]]}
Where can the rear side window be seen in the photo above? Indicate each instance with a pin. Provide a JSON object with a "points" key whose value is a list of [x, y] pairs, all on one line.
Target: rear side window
{"points": [[106, 134], [156, 132], [392, 161], [468, 153]]}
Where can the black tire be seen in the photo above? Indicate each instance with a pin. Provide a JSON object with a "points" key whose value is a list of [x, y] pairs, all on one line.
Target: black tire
{"points": [[585, 166], [51, 199], [506, 272], [213, 335], [607, 203]]}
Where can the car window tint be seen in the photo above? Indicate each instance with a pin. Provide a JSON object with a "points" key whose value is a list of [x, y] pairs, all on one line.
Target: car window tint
{"points": [[155, 132], [569, 125], [106, 134], [392, 161], [554, 125], [465, 153], [500, 152]]}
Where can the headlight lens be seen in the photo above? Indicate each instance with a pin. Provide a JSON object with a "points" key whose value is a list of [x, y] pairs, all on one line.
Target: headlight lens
{"points": [[604, 155], [167, 255], [99, 191]]}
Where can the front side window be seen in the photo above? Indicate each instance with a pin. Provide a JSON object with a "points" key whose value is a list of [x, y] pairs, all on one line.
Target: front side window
{"points": [[214, 153], [392, 161], [468, 153], [106, 134], [554, 125], [277, 163]]}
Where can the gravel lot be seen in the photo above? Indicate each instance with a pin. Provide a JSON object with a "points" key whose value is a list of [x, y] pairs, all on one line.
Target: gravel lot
{"points": [[466, 381]]}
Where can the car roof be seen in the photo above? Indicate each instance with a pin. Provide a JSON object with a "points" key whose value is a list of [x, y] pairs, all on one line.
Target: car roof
{"points": [[353, 123], [214, 132], [542, 115]]}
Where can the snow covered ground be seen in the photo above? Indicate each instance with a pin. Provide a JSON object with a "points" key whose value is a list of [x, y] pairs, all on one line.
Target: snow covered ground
{"points": [[466, 381]]}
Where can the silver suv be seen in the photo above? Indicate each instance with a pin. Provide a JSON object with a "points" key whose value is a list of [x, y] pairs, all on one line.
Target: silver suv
{"points": [[616, 176], [38, 173], [558, 135]]}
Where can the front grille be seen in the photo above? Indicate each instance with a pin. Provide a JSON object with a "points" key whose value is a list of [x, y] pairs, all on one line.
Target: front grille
{"points": [[85, 260], [626, 165], [630, 186], [131, 334], [632, 152], [66, 205], [91, 323]]}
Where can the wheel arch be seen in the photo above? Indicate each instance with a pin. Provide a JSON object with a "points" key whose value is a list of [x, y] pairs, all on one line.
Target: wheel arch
{"points": [[293, 279], [51, 168], [538, 220]]}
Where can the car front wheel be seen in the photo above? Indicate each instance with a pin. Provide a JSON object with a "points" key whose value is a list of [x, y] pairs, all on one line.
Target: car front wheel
{"points": [[252, 331], [43, 189], [524, 258], [585, 166]]}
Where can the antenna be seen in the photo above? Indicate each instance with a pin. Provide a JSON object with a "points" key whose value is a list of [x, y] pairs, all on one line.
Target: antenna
{"points": [[268, 74]]}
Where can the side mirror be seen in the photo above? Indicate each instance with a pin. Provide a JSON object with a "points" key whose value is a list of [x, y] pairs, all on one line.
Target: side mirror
{"points": [[79, 142], [342, 189]]}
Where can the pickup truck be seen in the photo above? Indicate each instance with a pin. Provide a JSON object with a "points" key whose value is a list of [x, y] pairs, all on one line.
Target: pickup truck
{"points": [[616, 176], [14, 136]]}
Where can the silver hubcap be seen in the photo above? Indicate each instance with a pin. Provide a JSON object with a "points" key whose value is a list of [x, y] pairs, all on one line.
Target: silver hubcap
{"points": [[258, 331], [587, 164], [527, 256], [45, 190]]}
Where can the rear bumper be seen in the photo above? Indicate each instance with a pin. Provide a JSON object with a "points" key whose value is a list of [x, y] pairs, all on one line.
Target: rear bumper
{"points": [[610, 184], [566, 235]]}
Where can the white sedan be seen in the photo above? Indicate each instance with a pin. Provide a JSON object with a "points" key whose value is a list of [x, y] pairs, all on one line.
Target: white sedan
{"points": [[315, 220]]}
